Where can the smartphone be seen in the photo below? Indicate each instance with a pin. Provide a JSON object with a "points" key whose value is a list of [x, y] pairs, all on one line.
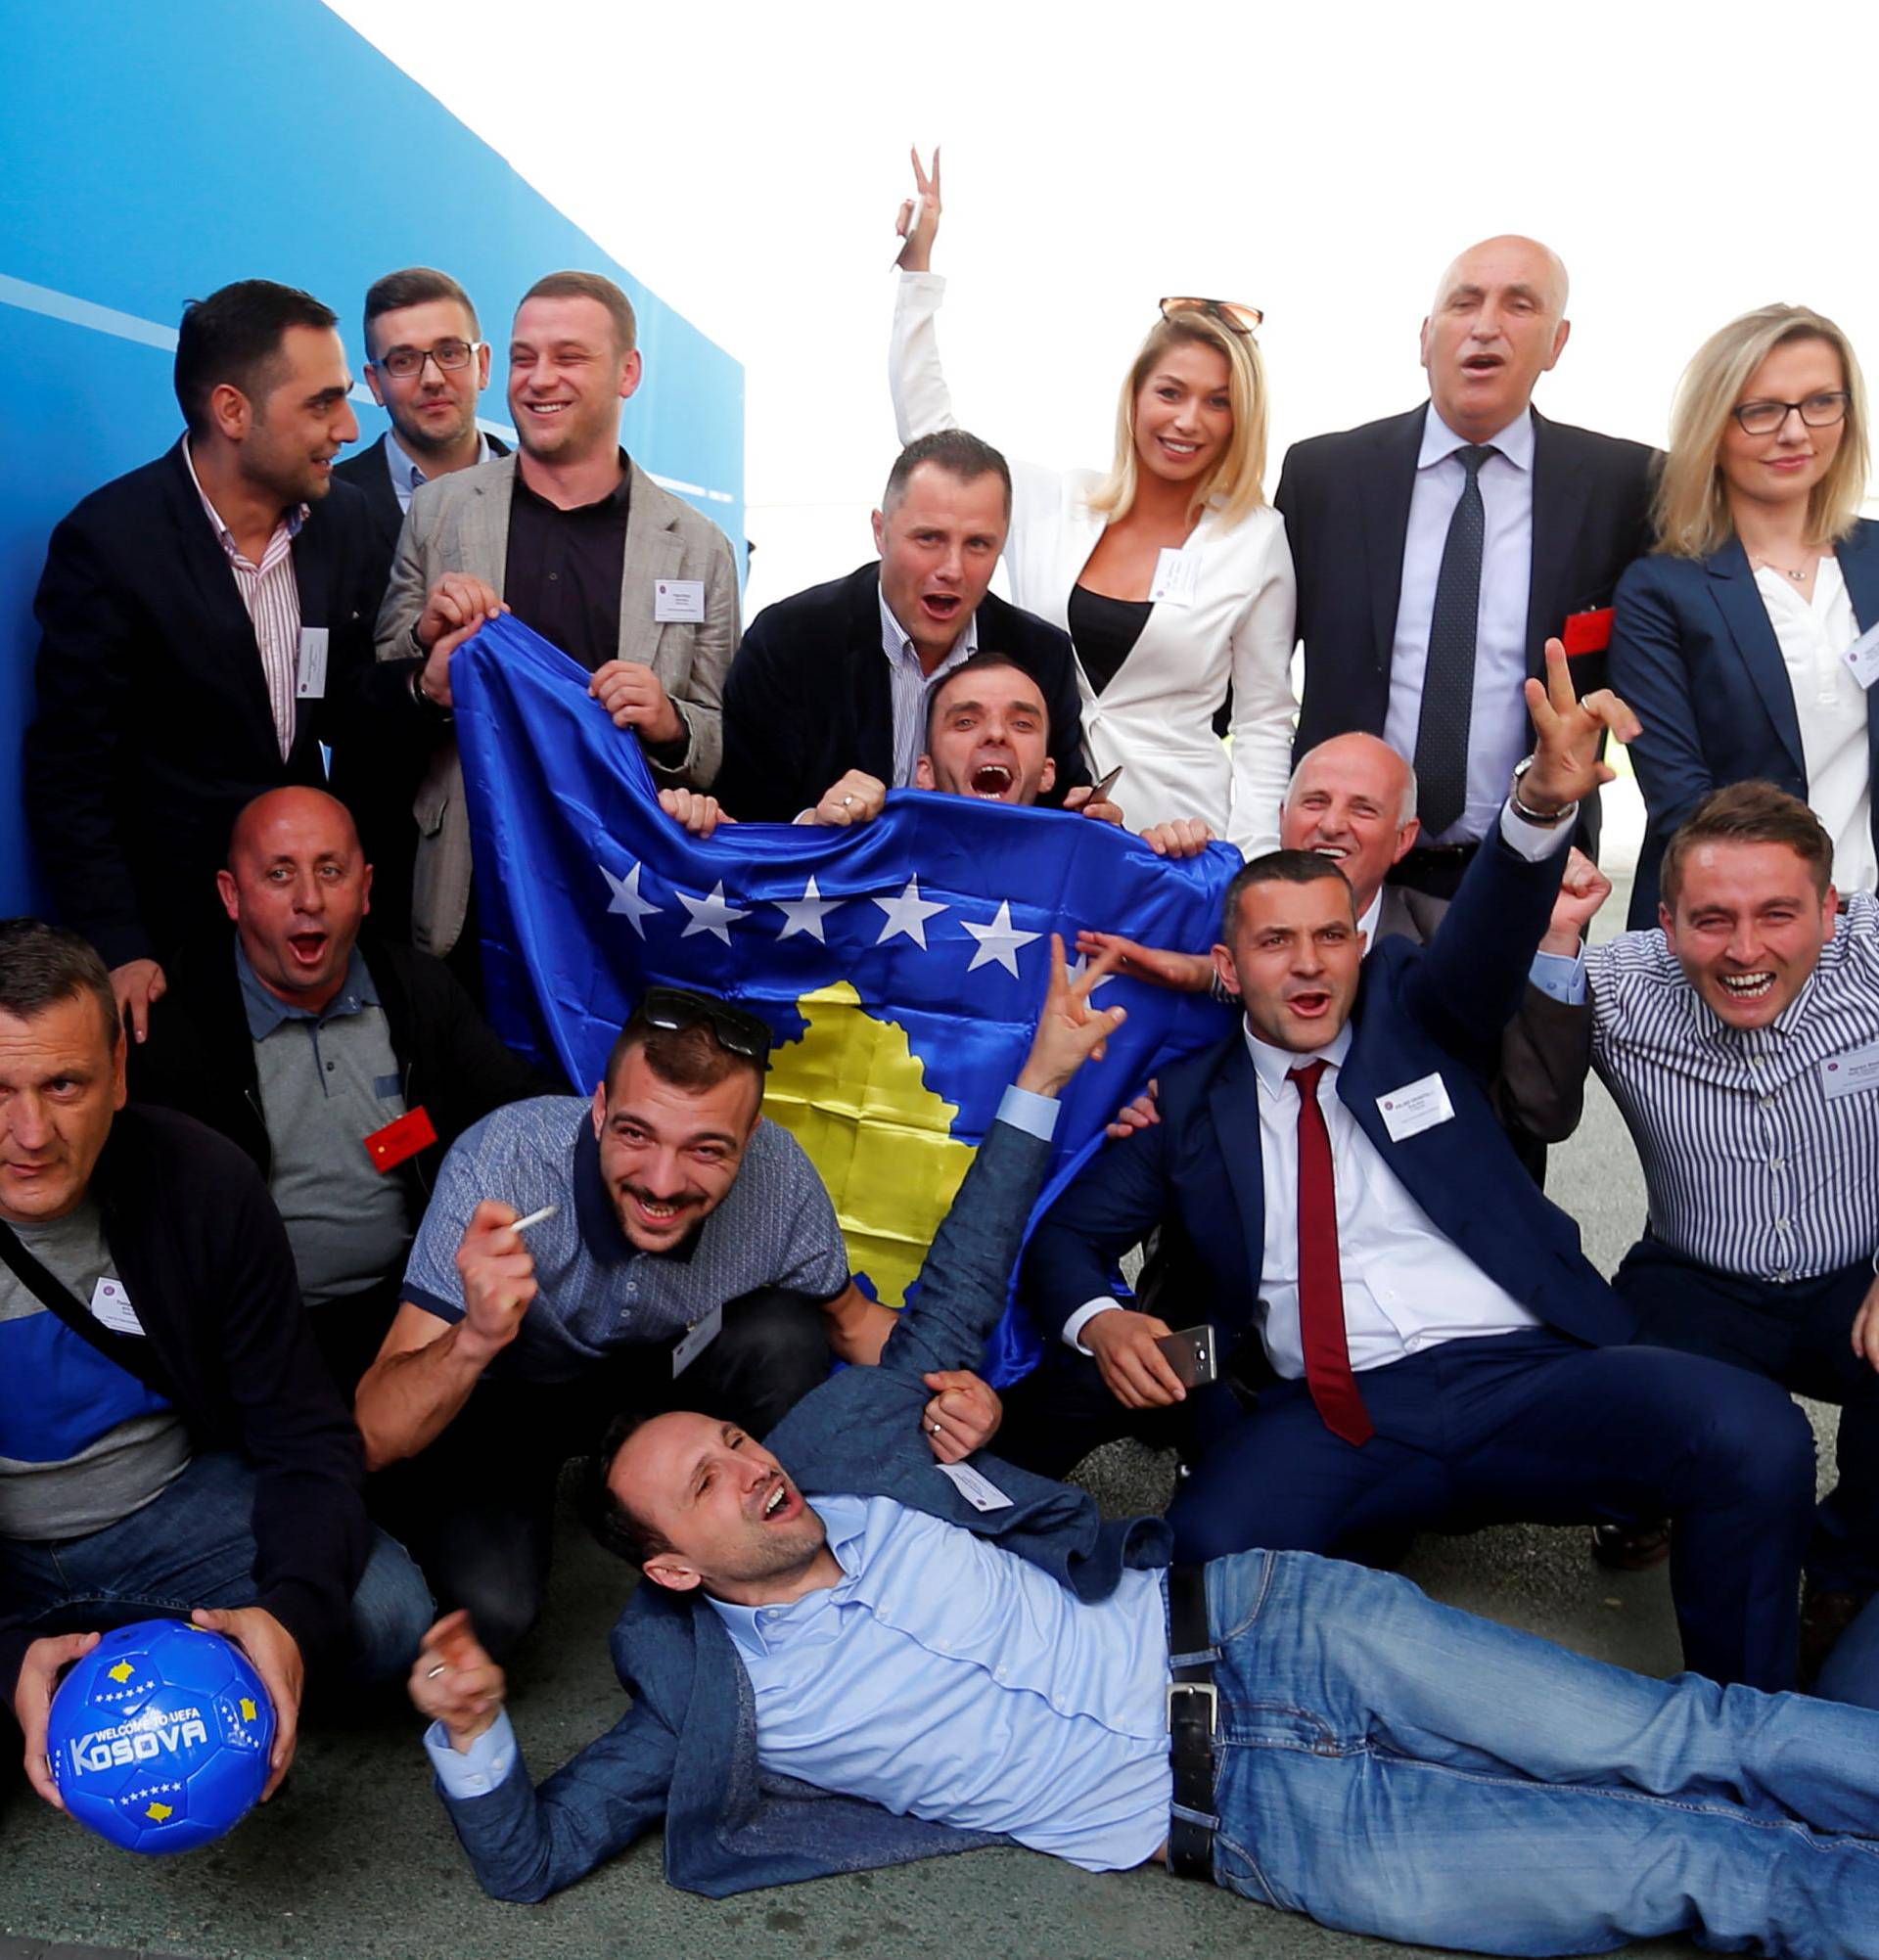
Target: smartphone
{"points": [[1108, 783], [1190, 1353]]}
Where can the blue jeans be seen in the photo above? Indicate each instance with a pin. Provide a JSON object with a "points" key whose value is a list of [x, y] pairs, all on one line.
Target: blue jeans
{"points": [[1396, 1768], [195, 1546]]}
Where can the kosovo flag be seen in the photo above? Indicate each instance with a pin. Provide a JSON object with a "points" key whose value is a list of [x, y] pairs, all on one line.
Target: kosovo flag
{"points": [[900, 966]]}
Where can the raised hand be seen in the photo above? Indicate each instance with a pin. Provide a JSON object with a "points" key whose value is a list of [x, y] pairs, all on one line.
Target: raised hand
{"points": [[1070, 1031], [919, 219], [1185, 972], [498, 1279], [1568, 731], [1582, 890]]}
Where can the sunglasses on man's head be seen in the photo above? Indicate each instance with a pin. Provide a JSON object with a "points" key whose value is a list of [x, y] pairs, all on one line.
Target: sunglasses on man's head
{"points": [[673, 1009], [1229, 312]]}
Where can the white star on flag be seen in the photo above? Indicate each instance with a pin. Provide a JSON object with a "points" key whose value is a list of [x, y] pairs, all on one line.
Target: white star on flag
{"points": [[806, 914], [1080, 968], [907, 914], [998, 942], [626, 899], [712, 914]]}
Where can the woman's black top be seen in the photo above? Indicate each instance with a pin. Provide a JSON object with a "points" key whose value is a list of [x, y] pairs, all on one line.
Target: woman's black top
{"points": [[1104, 632]]}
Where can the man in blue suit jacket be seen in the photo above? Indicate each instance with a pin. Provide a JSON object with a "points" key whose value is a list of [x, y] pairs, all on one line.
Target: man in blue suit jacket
{"points": [[1463, 1361], [924, 1660]]}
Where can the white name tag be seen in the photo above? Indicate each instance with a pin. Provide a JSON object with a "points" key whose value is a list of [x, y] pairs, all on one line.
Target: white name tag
{"points": [[309, 674], [1415, 1107], [698, 1337], [678, 599], [1848, 1074], [1174, 574], [979, 1492], [1863, 656], [110, 1306]]}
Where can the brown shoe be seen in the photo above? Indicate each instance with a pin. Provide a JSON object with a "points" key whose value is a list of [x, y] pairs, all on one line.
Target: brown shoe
{"points": [[1824, 1617], [1632, 1548]]}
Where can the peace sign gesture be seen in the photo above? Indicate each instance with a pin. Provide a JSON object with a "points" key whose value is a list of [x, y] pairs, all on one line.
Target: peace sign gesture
{"points": [[1070, 1031], [919, 219], [1566, 767]]}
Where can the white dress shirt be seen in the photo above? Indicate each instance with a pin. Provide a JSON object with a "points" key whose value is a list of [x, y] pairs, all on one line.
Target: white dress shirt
{"points": [[1497, 725], [912, 688], [1831, 708]]}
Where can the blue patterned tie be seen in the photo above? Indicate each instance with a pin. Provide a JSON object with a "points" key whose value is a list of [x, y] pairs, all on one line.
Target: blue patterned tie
{"points": [[1449, 678]]}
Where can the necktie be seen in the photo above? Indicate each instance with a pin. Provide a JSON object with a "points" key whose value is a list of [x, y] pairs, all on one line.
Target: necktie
{"points": [[1449, 678], [1327, 1359]]}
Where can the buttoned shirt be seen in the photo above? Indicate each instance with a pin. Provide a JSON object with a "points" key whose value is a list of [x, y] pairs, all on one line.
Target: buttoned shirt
{"points": [[271, 595], [406, 474], [1497, 736], [912, 688]]}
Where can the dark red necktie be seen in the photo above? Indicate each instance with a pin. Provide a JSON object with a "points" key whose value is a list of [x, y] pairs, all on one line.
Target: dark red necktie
{"points": [[1327, 1358]]}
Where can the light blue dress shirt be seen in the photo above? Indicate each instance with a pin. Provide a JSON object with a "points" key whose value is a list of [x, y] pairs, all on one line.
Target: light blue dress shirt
{"points": [[406, 475]]}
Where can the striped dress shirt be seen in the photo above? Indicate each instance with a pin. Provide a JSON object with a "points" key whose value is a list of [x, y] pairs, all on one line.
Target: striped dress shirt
{"points": [[912, 689], [1751, 1166], [272, 597]]}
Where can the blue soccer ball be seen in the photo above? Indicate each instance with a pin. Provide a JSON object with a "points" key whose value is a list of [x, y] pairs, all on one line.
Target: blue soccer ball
{"points": [[159, 1737]]}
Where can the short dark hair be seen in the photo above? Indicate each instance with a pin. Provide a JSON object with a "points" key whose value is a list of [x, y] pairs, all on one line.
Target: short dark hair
{"points": [[44, 966], [590, 285], [984, 660], [1751, 812], [688, 1057], [1279, 867], [234, 336], [616, 1528], [952, 450], [414, 286]]}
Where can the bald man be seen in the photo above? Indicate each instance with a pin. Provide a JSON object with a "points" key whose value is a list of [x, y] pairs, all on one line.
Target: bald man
{"points": [[1437, 553], [344, 1069]]}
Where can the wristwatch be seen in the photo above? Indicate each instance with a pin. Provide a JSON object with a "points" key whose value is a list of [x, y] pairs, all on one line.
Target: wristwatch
{"points": [[1545, 819]]}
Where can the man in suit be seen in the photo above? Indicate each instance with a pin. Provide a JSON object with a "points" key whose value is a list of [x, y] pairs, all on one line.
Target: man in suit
{"points": [[843, 1656], [826, 706], [1436, 552], [207, 627], [1444, 1352], [581, 543]]}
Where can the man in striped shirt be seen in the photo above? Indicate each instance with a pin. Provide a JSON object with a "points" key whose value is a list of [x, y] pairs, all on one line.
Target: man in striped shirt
{"points": [[1741, 1043]]}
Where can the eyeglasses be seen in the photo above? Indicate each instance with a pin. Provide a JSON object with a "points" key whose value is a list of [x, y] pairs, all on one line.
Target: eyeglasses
{"points": [[1228, 312], [673, 1009], [449, 355], [1818, 411]]}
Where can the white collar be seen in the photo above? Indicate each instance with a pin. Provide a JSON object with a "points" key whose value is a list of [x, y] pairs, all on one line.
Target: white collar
{"points": [[1515, 442], [1274, 1064]]}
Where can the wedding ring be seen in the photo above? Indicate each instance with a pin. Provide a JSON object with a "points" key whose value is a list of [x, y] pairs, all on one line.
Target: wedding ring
{"points": [[845, 802], [933, 1429], [432, 1674]]}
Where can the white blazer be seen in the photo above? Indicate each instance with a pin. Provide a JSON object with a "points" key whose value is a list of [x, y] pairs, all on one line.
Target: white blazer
{"points": [[1155, 716]]}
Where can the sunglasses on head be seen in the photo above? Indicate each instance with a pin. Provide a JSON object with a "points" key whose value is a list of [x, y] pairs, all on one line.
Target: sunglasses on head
{"points": [[673, 1009], [1231, 313]]}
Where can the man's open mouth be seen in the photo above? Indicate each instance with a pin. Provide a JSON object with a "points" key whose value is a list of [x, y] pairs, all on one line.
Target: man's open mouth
{"points": [[1308, 1005], [940, 605], [990, 779], [1482, 364], [1748, 986], [307, 948]]}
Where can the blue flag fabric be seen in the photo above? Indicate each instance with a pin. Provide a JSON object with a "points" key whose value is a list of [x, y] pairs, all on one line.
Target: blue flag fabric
{"points": [[900, 966]]}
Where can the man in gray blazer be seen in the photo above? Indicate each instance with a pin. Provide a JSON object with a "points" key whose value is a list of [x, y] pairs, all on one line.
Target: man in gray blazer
{"points": [[582, 544]]}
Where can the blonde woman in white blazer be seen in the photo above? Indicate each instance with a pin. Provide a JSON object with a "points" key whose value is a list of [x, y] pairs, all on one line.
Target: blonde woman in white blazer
{"points": [[1175, 545]]}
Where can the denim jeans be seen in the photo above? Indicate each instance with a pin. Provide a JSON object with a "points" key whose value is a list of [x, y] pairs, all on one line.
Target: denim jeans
{"points": [[1396, 1768], [195, 1546]]}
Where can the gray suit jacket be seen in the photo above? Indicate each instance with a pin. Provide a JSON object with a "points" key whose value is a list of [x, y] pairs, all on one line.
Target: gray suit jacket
{"points": [[1545, 1050], [460, 523]]}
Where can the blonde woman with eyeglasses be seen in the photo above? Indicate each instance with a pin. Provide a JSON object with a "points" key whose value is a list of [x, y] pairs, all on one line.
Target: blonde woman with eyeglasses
{"points": [[1747, 641], [1169, 572]]}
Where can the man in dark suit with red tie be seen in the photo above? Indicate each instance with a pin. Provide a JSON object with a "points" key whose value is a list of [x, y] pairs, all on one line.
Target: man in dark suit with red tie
{"points": [[1442, 1351], [1436, 552]]}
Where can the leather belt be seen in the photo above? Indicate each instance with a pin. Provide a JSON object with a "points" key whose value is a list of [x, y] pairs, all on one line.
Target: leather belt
{"points": [[1193, 1716]]}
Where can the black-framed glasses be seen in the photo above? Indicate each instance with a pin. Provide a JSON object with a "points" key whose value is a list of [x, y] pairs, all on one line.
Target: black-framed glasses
{"points": [[1233, 313], [673, 1009], [449, 355], [1818, 411]]}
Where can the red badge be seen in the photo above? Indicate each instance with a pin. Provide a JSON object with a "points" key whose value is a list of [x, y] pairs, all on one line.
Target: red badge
{"points": [[410, 1133], [1587, 633]]}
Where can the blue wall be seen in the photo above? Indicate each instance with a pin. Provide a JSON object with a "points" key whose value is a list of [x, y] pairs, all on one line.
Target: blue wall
{"points": [[150, 153]]}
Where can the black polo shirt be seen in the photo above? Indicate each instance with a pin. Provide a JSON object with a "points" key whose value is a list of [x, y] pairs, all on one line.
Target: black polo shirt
{"points": [[563, 570]]}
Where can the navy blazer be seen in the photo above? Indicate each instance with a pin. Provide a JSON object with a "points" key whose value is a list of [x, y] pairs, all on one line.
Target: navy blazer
{"points": [[1694, 653], [686, 1751], [1420, 1011]]}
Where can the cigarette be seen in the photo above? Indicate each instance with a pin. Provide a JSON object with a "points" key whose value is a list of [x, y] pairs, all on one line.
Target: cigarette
{"points": [[541, 1217]]}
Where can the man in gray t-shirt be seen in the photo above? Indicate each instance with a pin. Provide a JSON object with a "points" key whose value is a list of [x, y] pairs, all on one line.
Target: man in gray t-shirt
{"points": [[667, 1231]]}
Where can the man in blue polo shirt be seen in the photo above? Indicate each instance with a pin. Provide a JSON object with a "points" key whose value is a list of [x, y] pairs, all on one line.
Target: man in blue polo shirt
{"points": [[666, 1232]]}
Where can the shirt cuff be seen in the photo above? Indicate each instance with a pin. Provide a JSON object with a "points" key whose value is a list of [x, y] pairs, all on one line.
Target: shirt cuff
{"points": [[477, 1770], [1532, 842], [1085, 1314], [1560, 977], [1034, 1114]]}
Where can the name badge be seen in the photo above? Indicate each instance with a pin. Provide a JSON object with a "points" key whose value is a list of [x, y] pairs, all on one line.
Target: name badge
{"points": [[1174, 574], [979, 1492], [309, 673], [1863, 656], [680, 598], [1848, 1074], [698, 1337], [1415, 1107], [111, 1306], [1587, 633], [400, 1139]]}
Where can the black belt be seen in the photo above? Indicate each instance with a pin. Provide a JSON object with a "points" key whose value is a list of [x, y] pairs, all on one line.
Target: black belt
{"points": [[1193, 1715]]}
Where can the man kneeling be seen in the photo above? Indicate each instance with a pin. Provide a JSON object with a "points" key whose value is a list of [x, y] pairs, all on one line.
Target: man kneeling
{"points": [[830, 1616]]}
